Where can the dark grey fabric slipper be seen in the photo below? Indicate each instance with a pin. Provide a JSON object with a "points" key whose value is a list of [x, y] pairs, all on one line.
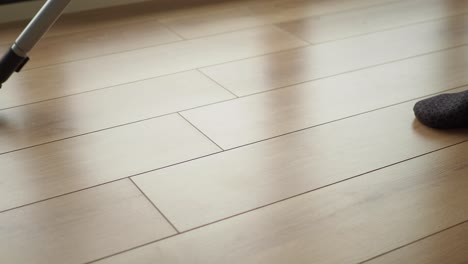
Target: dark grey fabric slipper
{"points": [[445, 111]]}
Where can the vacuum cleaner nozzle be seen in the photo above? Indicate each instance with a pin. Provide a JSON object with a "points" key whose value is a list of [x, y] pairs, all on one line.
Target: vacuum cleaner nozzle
{"points": [[9, 64]]}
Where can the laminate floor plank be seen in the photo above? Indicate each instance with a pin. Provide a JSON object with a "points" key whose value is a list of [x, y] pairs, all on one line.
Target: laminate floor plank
{"points": [[208, 21], [206, 190], [373, 19], [49, 170], [94, 43], [87, 20], [122, 141], [273, 113], [121, 68], [450, 246], [345, 223], [319, 61], [81, 227], [52, 120]]}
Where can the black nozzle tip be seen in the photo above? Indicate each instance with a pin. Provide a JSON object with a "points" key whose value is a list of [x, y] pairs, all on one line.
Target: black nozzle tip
{"points": [[10, 63]]}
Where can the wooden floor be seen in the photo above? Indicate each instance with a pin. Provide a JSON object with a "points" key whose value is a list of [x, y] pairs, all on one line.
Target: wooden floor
{"points": [[258, 131]]}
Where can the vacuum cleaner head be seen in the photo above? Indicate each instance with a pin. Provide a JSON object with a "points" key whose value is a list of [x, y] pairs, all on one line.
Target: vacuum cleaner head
{"points": [[10, 63]]}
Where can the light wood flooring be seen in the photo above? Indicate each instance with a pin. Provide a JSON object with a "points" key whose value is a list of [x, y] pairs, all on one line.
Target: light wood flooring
{"points": [[255, 131]]}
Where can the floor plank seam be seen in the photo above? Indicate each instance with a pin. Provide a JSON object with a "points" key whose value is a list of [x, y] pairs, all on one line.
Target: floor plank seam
{"points": [[217, 83], [154, 205], [201, 132], [289, 198], [167, 27], [61, 195], [310, 43], [132, 248], [413, 242]]}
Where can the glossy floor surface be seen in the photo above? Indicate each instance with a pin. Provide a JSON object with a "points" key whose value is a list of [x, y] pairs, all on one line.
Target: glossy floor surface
{"points": [[256, 131]]}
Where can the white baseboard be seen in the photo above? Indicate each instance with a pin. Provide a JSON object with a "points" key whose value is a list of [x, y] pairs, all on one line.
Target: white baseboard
{"points": [[26, 10]]}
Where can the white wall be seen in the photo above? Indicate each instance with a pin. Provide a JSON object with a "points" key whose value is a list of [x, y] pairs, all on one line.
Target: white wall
{"points": [[26, 10]]}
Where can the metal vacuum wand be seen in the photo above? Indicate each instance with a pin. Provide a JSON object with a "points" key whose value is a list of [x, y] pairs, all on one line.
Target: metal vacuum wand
{"points": [[17, 56]]}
